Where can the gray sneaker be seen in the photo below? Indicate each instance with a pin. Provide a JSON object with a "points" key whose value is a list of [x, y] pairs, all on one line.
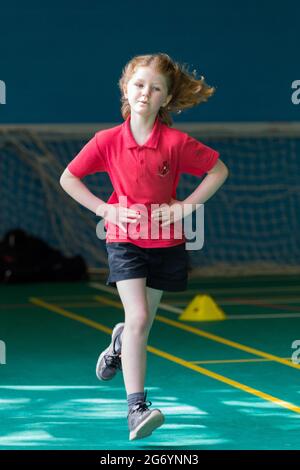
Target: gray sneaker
{"points": [[109, 360], [142, 421]]}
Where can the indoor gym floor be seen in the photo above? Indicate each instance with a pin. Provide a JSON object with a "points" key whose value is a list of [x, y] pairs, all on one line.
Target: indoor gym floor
{"points": [[222, 385]]}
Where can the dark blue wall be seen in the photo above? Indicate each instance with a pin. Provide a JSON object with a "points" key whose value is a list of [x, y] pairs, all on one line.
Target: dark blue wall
{"points": [[61, 60]]}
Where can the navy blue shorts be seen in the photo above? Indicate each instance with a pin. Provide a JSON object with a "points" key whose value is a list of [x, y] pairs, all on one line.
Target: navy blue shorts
{"points": [[164, 268]]}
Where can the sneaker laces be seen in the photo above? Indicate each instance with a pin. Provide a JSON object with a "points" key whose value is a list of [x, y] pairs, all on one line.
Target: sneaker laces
{"points": [[113, 361], [141, 405]]}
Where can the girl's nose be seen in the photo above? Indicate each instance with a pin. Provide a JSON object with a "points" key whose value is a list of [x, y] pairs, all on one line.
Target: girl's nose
{"points": [[146, 92]]}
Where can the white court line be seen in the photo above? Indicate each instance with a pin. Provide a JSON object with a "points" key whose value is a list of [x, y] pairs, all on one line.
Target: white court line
{"points": [[268, 300], [272, 300], [263, 316], [50, 387], [239, 290], [234, 290], [249, 301], [178, 311]]}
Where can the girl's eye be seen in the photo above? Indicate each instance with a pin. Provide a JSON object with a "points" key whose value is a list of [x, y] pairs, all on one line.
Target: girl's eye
{"points": [[139, 85]]}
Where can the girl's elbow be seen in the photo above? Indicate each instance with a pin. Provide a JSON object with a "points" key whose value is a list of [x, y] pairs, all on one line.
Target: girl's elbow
{"points": [[219, 169], [61, 180], [66, 175], [223, 169], [226, 171]]}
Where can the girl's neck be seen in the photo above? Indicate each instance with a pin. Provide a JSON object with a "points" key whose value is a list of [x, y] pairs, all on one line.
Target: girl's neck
{"points": [[141, 125]]}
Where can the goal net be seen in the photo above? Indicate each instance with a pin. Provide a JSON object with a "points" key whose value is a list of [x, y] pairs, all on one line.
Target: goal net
{"points": [[252, 223]]}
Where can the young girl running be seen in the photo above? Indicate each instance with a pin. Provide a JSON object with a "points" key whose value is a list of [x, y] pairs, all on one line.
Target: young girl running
{"points": [[144, 157]]}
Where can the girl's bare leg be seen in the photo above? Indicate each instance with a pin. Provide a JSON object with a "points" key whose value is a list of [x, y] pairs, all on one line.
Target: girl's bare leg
{"points": [[140, 304]]}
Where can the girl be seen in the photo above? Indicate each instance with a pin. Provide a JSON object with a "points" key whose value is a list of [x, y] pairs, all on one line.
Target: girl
{"points": [[144, 157]]}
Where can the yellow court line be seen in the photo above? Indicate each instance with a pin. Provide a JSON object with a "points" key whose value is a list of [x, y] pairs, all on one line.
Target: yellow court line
{"points": [[226, 380], [83, 305], [171, 357], [72, 316], [233, 361], [233, 344], [211, 336], [104, 300]]}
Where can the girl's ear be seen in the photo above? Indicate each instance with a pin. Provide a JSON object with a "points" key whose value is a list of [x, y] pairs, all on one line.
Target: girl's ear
{"points": [[125, 90], [168, 99]]}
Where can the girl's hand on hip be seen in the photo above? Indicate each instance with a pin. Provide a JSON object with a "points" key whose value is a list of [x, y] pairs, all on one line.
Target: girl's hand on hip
{"points": [[120, 215], [168, 213]]}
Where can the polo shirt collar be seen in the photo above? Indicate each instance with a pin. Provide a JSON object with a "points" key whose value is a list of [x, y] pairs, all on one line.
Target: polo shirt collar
{"points": [[153, 139]]}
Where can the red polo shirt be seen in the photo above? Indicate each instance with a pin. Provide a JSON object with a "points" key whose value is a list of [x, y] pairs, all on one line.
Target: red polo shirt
{"points": [[146, 174]]}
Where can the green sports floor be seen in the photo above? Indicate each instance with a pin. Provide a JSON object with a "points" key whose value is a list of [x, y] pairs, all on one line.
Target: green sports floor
{"points": [[229, 384]]}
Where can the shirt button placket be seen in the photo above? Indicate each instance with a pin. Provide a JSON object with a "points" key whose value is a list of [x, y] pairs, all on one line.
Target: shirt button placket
{"points": [[141, 161], [137, 165]]}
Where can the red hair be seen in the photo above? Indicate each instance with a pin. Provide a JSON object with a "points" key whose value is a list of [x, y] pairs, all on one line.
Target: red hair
{"points": [[187, 91]]}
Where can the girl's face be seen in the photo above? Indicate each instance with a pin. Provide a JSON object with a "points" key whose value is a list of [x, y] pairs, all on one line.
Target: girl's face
{"points": [[147, 91]]}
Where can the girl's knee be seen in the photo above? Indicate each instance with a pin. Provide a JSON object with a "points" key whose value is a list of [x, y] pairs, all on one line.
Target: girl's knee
{"points": [[138, 324]]}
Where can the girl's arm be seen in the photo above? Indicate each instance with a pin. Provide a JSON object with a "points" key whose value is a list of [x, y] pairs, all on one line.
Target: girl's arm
{"points": [[207, 188], [78, 191], [209, 185]]}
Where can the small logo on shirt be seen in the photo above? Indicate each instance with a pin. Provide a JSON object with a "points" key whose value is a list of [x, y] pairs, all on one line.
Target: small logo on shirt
{"points": [[164, 169]]}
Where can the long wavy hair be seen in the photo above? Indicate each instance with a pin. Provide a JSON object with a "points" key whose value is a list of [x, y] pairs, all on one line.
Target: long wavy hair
{"points": [[187, 91]]}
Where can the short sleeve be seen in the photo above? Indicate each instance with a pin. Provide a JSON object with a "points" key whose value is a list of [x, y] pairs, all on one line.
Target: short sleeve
{"points": [[196, 158], [91, 159]]}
